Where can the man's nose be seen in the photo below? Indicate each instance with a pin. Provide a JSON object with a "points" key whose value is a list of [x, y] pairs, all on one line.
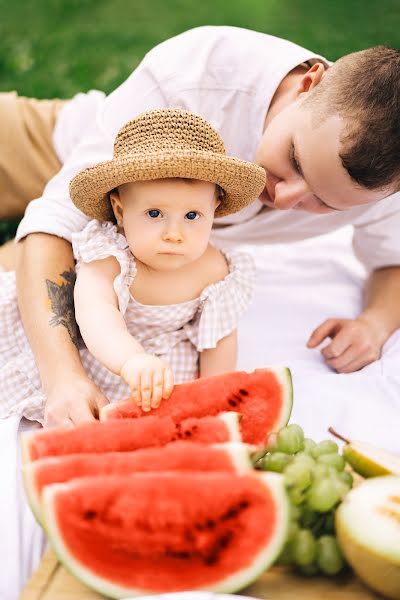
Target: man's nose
{"points": [[173, 232], [290, 193]]}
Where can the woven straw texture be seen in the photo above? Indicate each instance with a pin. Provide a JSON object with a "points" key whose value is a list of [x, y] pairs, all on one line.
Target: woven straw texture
{"points": [[167, 143]]}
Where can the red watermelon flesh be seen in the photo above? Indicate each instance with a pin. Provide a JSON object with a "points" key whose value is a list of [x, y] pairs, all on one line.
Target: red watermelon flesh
{"points": [[126, 435], [176, 456], [161, 532], [263, 397]]}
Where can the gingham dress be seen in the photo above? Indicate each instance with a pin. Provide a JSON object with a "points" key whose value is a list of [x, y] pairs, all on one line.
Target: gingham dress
{"points": [[176, 333]]}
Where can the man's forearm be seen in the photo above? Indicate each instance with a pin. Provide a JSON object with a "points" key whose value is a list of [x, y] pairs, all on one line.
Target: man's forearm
{"points": [[382, 300], [45, 282]]}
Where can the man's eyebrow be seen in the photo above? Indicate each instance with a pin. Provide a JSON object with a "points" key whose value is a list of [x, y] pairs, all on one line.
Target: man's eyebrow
{"points": [[298, 167]]}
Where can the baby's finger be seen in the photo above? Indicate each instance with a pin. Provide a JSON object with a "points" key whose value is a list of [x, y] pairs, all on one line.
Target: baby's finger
{"points": [[158, 383], [168, 383], [134, 384], [146, 389]]}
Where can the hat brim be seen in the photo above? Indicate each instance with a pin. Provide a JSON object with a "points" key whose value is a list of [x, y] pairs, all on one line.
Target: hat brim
{"points": [[242, 181]]}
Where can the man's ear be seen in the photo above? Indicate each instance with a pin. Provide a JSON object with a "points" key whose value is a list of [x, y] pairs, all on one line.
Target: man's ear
{"points": [[116, 204], [312, 78]]}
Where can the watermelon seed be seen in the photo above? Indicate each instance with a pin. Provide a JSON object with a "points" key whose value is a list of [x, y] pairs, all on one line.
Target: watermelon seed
{"points": [[243, 392], [232, 402], [90, 514]]}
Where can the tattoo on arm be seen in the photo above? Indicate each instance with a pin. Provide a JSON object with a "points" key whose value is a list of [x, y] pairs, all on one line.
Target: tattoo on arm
{"points": [[61, 296]]}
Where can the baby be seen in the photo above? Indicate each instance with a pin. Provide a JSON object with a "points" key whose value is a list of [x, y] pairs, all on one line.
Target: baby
{"points": [[155, 302]]}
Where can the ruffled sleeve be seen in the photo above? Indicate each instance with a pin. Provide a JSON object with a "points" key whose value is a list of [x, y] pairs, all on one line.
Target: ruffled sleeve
{"points": [[101, 240], [223, 303]]}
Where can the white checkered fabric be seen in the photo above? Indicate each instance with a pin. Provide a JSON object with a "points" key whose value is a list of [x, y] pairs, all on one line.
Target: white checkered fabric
{"points": [[176, 333]]}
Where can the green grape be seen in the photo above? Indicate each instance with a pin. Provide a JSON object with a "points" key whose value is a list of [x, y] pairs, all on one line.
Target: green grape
{"points": [[290, 439], [309, 445], [341, 487], [294, 512], [329, 524], [297, 475], [332, 460], [305, 459], [297, 496], [324, 447], [275, 461], [320, 471], [309, 570], [293, 530], [347, 478], [304, 548], [323, 495], [286, 555], [308, 517], [329, 557]]}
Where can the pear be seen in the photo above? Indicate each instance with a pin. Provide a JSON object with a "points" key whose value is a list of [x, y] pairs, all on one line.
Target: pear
{"points": [[368, 531], [368, 460]]}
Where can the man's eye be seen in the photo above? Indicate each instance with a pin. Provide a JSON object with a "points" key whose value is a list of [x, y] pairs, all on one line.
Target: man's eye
{"points": [[192, 215], [153, 213], [293, 160]]}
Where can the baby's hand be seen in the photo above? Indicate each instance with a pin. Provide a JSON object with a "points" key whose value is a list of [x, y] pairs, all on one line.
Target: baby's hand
{"points": [[355, 343], [149, 379]]}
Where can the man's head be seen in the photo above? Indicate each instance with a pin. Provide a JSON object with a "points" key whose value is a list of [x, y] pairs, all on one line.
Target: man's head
{"points": [[333, 139]]}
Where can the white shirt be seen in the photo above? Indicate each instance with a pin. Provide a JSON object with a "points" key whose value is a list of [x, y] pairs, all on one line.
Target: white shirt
{"points": [[228, 76]]}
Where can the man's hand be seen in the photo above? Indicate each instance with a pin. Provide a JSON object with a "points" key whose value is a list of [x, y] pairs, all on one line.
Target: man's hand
{"points": [[149, 378], [73, 401], [355, 342]]}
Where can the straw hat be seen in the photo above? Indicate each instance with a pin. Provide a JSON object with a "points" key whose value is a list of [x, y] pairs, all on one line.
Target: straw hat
{"points": [[167, 143]]}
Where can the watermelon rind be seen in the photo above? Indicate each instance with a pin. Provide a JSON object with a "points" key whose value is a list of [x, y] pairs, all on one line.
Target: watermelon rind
{"points": [[232, 422], [263, 560], [284, 377], [28, 470]]}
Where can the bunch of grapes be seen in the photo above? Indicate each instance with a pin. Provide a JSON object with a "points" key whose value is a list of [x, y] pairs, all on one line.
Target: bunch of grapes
{"points": [[316, 482]]}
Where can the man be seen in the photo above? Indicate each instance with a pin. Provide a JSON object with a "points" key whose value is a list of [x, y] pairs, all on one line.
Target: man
{"points": [[327, 138]]}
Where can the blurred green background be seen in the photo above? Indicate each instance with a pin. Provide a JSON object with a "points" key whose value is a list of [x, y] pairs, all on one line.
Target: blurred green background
{"points": [[55, 48]]}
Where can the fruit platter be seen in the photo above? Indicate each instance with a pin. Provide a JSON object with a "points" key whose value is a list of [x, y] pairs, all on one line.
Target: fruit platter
{"points": [[214, 491]]}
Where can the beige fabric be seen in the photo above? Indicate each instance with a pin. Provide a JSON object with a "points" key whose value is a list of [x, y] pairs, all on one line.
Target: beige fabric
{"points": [[27, 156], [167, 143]]}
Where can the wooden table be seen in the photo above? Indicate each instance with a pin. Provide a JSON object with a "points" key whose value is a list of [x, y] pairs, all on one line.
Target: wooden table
{"points": [[52, 582]]}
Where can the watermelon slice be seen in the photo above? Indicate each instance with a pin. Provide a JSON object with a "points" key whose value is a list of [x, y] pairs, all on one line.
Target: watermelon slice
{"points": [[144, 533], [264, 398], [124, 436], [176, 456]]}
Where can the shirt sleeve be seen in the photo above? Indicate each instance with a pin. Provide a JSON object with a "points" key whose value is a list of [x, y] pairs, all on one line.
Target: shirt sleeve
{"points": [[376, 240], [54, 212]]}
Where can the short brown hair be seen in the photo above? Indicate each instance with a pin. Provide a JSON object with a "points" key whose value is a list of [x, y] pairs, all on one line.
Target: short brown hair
{"points": [[364, 89]]}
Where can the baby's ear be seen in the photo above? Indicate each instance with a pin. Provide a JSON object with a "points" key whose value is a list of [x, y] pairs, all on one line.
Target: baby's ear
{"points": [[116, 204], [220, 195]]}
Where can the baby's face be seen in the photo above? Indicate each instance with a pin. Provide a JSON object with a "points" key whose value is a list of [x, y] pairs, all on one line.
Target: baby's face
{"points": [[167, 222]]}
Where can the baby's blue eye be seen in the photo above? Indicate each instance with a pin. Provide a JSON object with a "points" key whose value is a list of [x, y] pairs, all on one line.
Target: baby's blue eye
{"points": [[153, 213], [192, 215]]}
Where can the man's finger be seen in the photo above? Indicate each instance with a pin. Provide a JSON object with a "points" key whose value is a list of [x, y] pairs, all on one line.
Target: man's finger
{"points": [[326, 329], [81, 413], [338, 346]]}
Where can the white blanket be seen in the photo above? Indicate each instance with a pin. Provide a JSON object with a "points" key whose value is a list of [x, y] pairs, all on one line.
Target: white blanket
{"points": [[299, 286]]}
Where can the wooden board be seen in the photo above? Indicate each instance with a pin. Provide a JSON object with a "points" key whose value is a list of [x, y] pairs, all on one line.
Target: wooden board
{"points": [[52, 582]]}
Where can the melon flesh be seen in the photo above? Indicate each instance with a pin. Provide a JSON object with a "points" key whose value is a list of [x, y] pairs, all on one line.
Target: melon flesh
{"points": [[127, 435], [176, 456], [264, 399], [161, 532]]}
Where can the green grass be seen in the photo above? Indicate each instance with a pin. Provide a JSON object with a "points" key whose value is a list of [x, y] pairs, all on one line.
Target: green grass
{"points": [[55, 48]]}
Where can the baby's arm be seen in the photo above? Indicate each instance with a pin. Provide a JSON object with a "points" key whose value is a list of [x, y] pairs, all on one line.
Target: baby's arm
{"points": [[106, 336], [221, 359]]}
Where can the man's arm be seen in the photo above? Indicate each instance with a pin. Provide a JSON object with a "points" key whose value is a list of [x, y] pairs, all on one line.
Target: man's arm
{"points": [[358, 342], [45, 283]]}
